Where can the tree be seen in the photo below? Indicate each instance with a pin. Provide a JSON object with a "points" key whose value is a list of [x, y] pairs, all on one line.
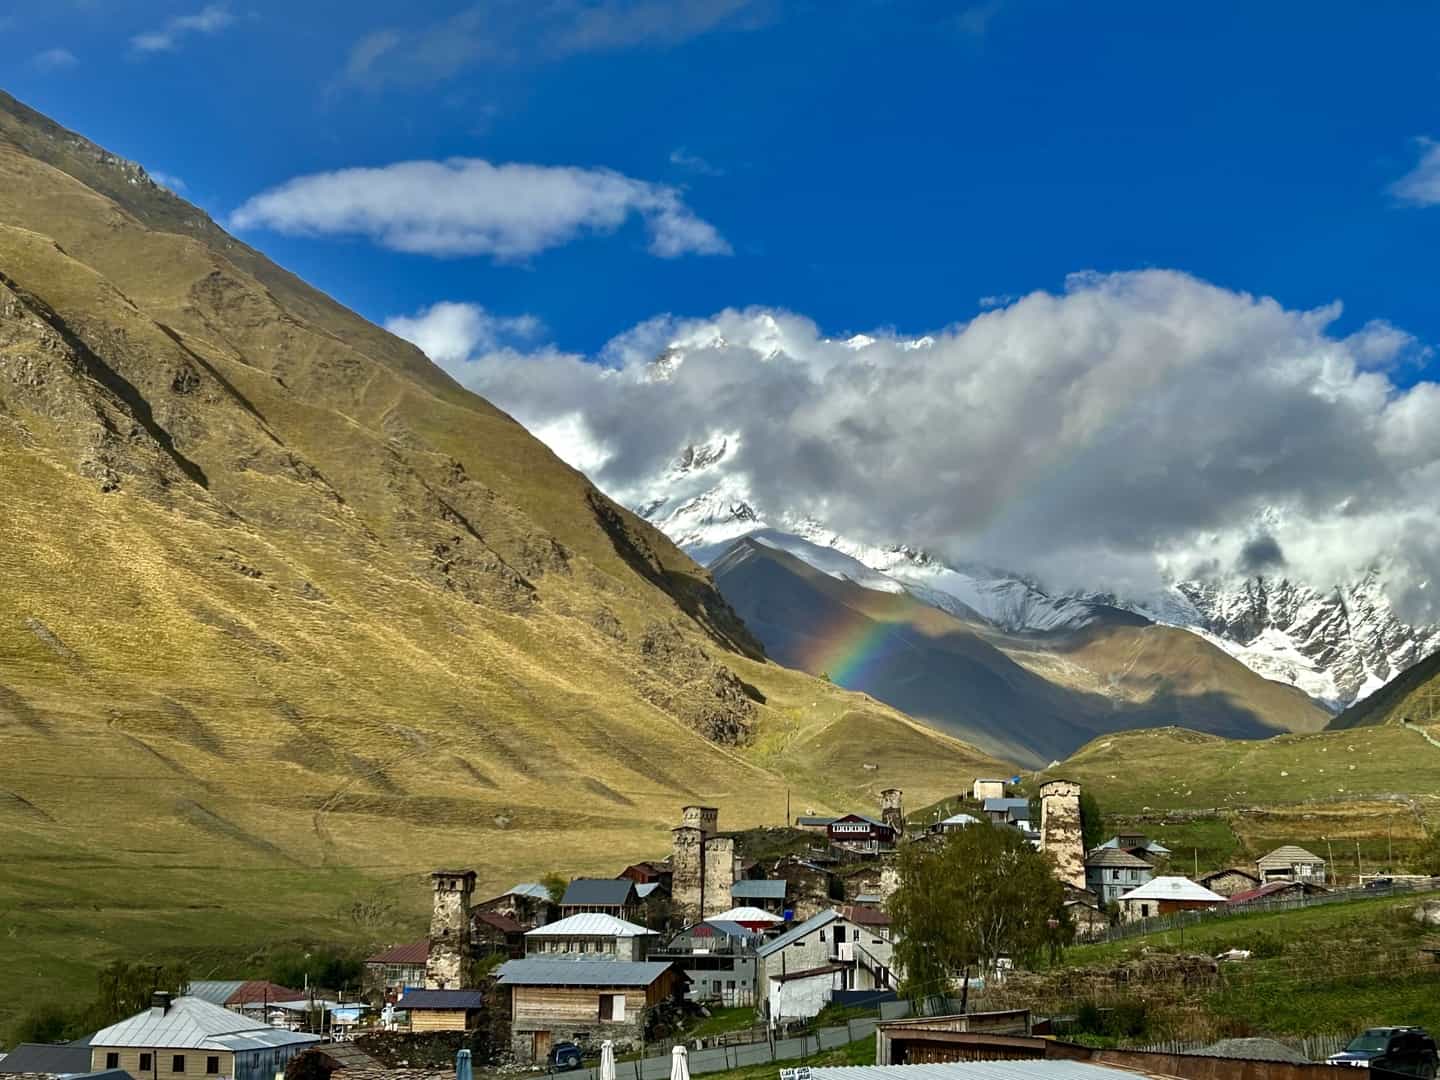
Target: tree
{"points": [[334, 969], [555, 884], [126, 989], [1092, 822], [981, 894]]}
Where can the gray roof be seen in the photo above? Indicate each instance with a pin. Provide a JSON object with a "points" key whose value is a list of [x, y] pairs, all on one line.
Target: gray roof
{"points": [[795, 933], [530, 888], [599, 892], [729, 929], [1254, 1050], [529, 972], [644, 889], [46, 1058], [1055, 1069], [758, 890], [995, 805], [105, 1074], [193, 1024], [441, 999], [215, 991], [810, 819], [1288, 855], [1115, 858]]}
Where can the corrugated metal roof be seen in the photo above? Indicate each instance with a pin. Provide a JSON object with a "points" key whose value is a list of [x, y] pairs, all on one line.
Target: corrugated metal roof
{"points": [[590, 924], [758, 890], [976, 1070], [961, 820], [604, 892], [995, 805], [530, 888], [215, 991], [1115, 858], [414, 952], [46, 1058], [795, 933], [261, 1039], [190, 1024], [580, 972], [1288, 855], [441, 999], [747, 915], [1172, 888]]}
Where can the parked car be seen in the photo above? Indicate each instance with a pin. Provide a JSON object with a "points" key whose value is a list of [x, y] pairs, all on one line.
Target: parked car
{"points": [[1408, 1050], [1380, 883], [565, 1056]]}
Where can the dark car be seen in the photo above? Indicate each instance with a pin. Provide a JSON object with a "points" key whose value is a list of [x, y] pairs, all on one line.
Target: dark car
{"points": [[1407, 1050], [565, 1056]]}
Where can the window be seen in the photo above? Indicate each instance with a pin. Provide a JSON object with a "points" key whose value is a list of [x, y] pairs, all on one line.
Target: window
{"points": [[177, 1063], [212, 1065], [612, 1006], [112, 1060], [145, 1060]]}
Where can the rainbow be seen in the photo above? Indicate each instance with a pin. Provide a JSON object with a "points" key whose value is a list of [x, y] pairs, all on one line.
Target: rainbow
{"points": [[852, 651]]}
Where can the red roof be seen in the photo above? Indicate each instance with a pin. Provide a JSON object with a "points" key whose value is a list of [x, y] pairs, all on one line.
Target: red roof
{"points": [[864, 916], [504, 923], [1264, 890], [417, 952], [258, 991]]}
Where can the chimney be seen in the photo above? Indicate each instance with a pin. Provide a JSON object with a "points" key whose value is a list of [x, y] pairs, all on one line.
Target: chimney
{"points": [[159, 1003]]}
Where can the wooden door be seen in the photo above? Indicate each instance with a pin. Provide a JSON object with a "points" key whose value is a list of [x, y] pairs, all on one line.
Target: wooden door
{"points": [[542, 1046]]}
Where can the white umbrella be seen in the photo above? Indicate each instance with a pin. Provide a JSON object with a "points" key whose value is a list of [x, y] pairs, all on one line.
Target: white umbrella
{"points": [[607, 1060], [679, 1064]]}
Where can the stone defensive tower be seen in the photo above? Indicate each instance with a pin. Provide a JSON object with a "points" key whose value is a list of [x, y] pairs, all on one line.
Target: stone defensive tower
{"points": [[702, 865], [1060, 831], [892, 813], [447, 967]]}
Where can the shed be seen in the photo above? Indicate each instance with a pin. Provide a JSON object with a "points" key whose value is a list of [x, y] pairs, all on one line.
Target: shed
{"points": [[1291, 863], [442, 1010]]}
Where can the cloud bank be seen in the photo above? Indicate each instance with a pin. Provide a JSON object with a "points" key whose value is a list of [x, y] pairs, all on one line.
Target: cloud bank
{"points": [[1421, 185], [210, 19], [1132, 427], [467, 206]]}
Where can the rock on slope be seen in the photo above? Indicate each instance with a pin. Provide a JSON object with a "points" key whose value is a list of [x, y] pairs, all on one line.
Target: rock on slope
{"points": [[278, 593]]}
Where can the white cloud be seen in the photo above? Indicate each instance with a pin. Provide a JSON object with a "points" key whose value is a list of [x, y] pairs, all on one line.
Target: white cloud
{"points": [[166, 180], [210, 19], [53, 60], [1421, 185], [451, 333], [1133, 425], [466, 206], [693, 162]]}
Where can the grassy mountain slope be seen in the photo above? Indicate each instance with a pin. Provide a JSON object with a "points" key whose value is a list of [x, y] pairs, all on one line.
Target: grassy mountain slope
{"points": [[289, 617], [1031, 698], [1411, 697]]}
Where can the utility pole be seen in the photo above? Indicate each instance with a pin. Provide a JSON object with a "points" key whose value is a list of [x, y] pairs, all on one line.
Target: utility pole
{"points": [[1359, 866]]}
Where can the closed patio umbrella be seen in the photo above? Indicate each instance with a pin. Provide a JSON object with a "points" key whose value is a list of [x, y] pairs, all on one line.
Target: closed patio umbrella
{"points": [[607, 1060], [463, 1070], [679, 1064]]}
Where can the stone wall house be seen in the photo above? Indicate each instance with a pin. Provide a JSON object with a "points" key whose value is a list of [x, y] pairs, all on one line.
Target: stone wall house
{"points": [[584, 1001], [810, 888], [528, 903], [1229, 881]]}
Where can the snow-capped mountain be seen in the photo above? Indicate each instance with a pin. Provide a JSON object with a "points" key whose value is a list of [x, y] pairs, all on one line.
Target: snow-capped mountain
{"points": [[1336, 646]]}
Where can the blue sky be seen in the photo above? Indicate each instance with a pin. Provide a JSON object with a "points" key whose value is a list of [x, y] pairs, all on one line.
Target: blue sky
{"points": [[869, 164]]}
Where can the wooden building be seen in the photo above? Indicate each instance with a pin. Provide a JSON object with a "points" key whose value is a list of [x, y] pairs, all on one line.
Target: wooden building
{"points": [[856, 832], [528, 903], [389, 973], [491, 933], [442, 1010], [605, 896], [1291, 863], [584, 1001]]}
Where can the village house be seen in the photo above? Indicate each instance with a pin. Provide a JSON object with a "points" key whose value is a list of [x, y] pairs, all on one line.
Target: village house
{"points": [[1109, 872], [604, 896], [593, 936], [390, 972], [984, 789], [1007, 811], [656, 908], [441, 1010], [814, 823], [583, 1001], [491, 933], [718, 958], [1229, 881], [955, 822], [861, 834], [762, 893], [1166, 896], [1277, 890], [810, 887], [1291, 863], [1139, 845], [648, 873], [241, 995], [1089, 921], [833, 950], [528, 903], [185, 1038]]}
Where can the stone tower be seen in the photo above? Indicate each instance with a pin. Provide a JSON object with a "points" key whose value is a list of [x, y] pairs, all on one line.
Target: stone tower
{"points": [[1060, 831], [702, 865], [891, 811], [448, 965]]}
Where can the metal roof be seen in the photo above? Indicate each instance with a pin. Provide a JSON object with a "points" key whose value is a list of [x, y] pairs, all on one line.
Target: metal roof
{"points": [[529, 888], [1055, 1069], [748, 915], [590, 924], [215, 991], [441, 999], [604, 892], [811, 819], [415, 952], [995, 804], [46, 1058], [960, 820], [191, 1023], [580, 972], [758, 890], [1288, 855], [1172, 888], [720, 926], [794, 934], [1115, 858], [645, 888]]}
